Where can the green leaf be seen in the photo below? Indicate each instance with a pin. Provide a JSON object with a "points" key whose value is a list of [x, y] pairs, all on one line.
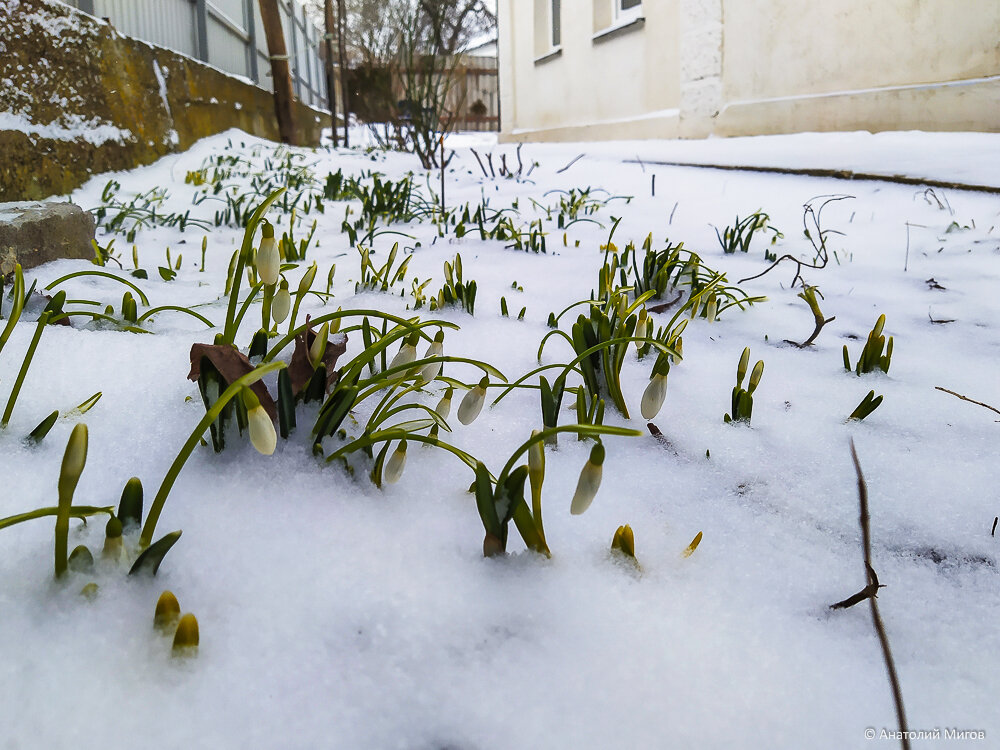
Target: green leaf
{"points": [[149, 561]]}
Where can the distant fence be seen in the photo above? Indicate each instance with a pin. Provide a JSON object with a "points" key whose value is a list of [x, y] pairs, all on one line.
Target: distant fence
{"points": [[227, 34], [476, 90]]}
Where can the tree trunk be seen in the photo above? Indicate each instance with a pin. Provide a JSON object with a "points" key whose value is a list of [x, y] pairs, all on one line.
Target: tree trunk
{"points": [[343, 70], [331, 80], [281, 72]]}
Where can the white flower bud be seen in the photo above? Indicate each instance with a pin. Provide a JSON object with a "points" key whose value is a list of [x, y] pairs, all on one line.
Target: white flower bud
{"points": [[443, 408], [652, 397], [472, 403], [268, 257], [406, 354], [259, 424], [394, 466], [712, 308], [590, 481], [281, 304]]}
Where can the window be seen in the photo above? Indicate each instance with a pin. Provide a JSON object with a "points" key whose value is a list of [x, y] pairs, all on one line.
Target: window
{"points": [[556, 22], [627, 10], [611, 15], [548, 27]]}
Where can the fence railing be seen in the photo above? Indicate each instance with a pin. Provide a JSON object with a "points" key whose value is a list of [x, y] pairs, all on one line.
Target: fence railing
{"points": [[227, 34]]}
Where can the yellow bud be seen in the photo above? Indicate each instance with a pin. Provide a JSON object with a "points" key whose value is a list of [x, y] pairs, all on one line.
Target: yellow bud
{"points": [[168, 612], [689, 550], [89, 591], [186, 637]]}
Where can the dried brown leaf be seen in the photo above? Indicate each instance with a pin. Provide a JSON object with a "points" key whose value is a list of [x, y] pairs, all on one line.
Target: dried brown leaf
{"points": [[231, 364]]}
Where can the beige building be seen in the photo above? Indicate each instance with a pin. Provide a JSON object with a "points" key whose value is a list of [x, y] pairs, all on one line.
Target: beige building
{"points": [[602, 69]]}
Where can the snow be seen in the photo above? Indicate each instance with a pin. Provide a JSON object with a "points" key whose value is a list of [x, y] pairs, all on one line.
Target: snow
{"points": [[334, 614], [93, 131]]}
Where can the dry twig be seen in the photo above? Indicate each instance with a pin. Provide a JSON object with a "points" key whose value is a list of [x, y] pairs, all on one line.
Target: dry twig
{"points": [[966, 398], [870, 593]]}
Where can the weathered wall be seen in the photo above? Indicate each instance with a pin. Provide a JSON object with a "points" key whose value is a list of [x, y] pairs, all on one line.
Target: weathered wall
{"points": [[76, 98], [730, 67]]}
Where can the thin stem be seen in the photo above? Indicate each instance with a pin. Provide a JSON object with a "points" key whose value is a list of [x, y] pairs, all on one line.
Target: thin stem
{"points": [[586, 430], [42, 321], [175, 308], [965, 398], [175, 468], [890, 666], [76, 511], [105, 274], [229, 333]]}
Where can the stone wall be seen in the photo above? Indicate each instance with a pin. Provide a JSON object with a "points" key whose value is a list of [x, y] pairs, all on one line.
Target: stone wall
{"points": [[77, 98]]}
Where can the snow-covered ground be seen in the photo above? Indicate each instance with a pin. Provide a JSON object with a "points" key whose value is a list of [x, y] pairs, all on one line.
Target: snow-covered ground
{"points": [[337, 615]]}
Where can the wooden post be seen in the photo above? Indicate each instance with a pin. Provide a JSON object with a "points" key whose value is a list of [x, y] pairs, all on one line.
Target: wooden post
{"points": [[331, 80], [281, 75]]}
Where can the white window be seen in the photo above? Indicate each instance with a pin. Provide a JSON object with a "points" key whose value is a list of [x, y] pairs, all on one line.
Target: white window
{"points": [[555, 20], [627, 10], [548, 27]]}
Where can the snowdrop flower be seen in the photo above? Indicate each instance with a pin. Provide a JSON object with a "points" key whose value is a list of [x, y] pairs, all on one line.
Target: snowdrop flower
{"points": [[712, 308], [590, 481], [443, 408], [431, 370], [268, 257], [262, 434], [652, 397], [406, 354], [394, 466], [472, 402], [282, 303], [318, 348]]}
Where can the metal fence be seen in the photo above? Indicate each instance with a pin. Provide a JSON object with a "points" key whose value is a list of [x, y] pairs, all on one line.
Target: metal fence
{"points": [[227, 34]]}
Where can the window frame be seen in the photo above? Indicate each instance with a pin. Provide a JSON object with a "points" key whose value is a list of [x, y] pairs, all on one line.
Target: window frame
{"points": [[555, 24], [621, 16]]}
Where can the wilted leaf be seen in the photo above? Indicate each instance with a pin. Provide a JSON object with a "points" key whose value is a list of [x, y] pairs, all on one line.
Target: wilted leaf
{"points": [[231, 364], [300, 369]]}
